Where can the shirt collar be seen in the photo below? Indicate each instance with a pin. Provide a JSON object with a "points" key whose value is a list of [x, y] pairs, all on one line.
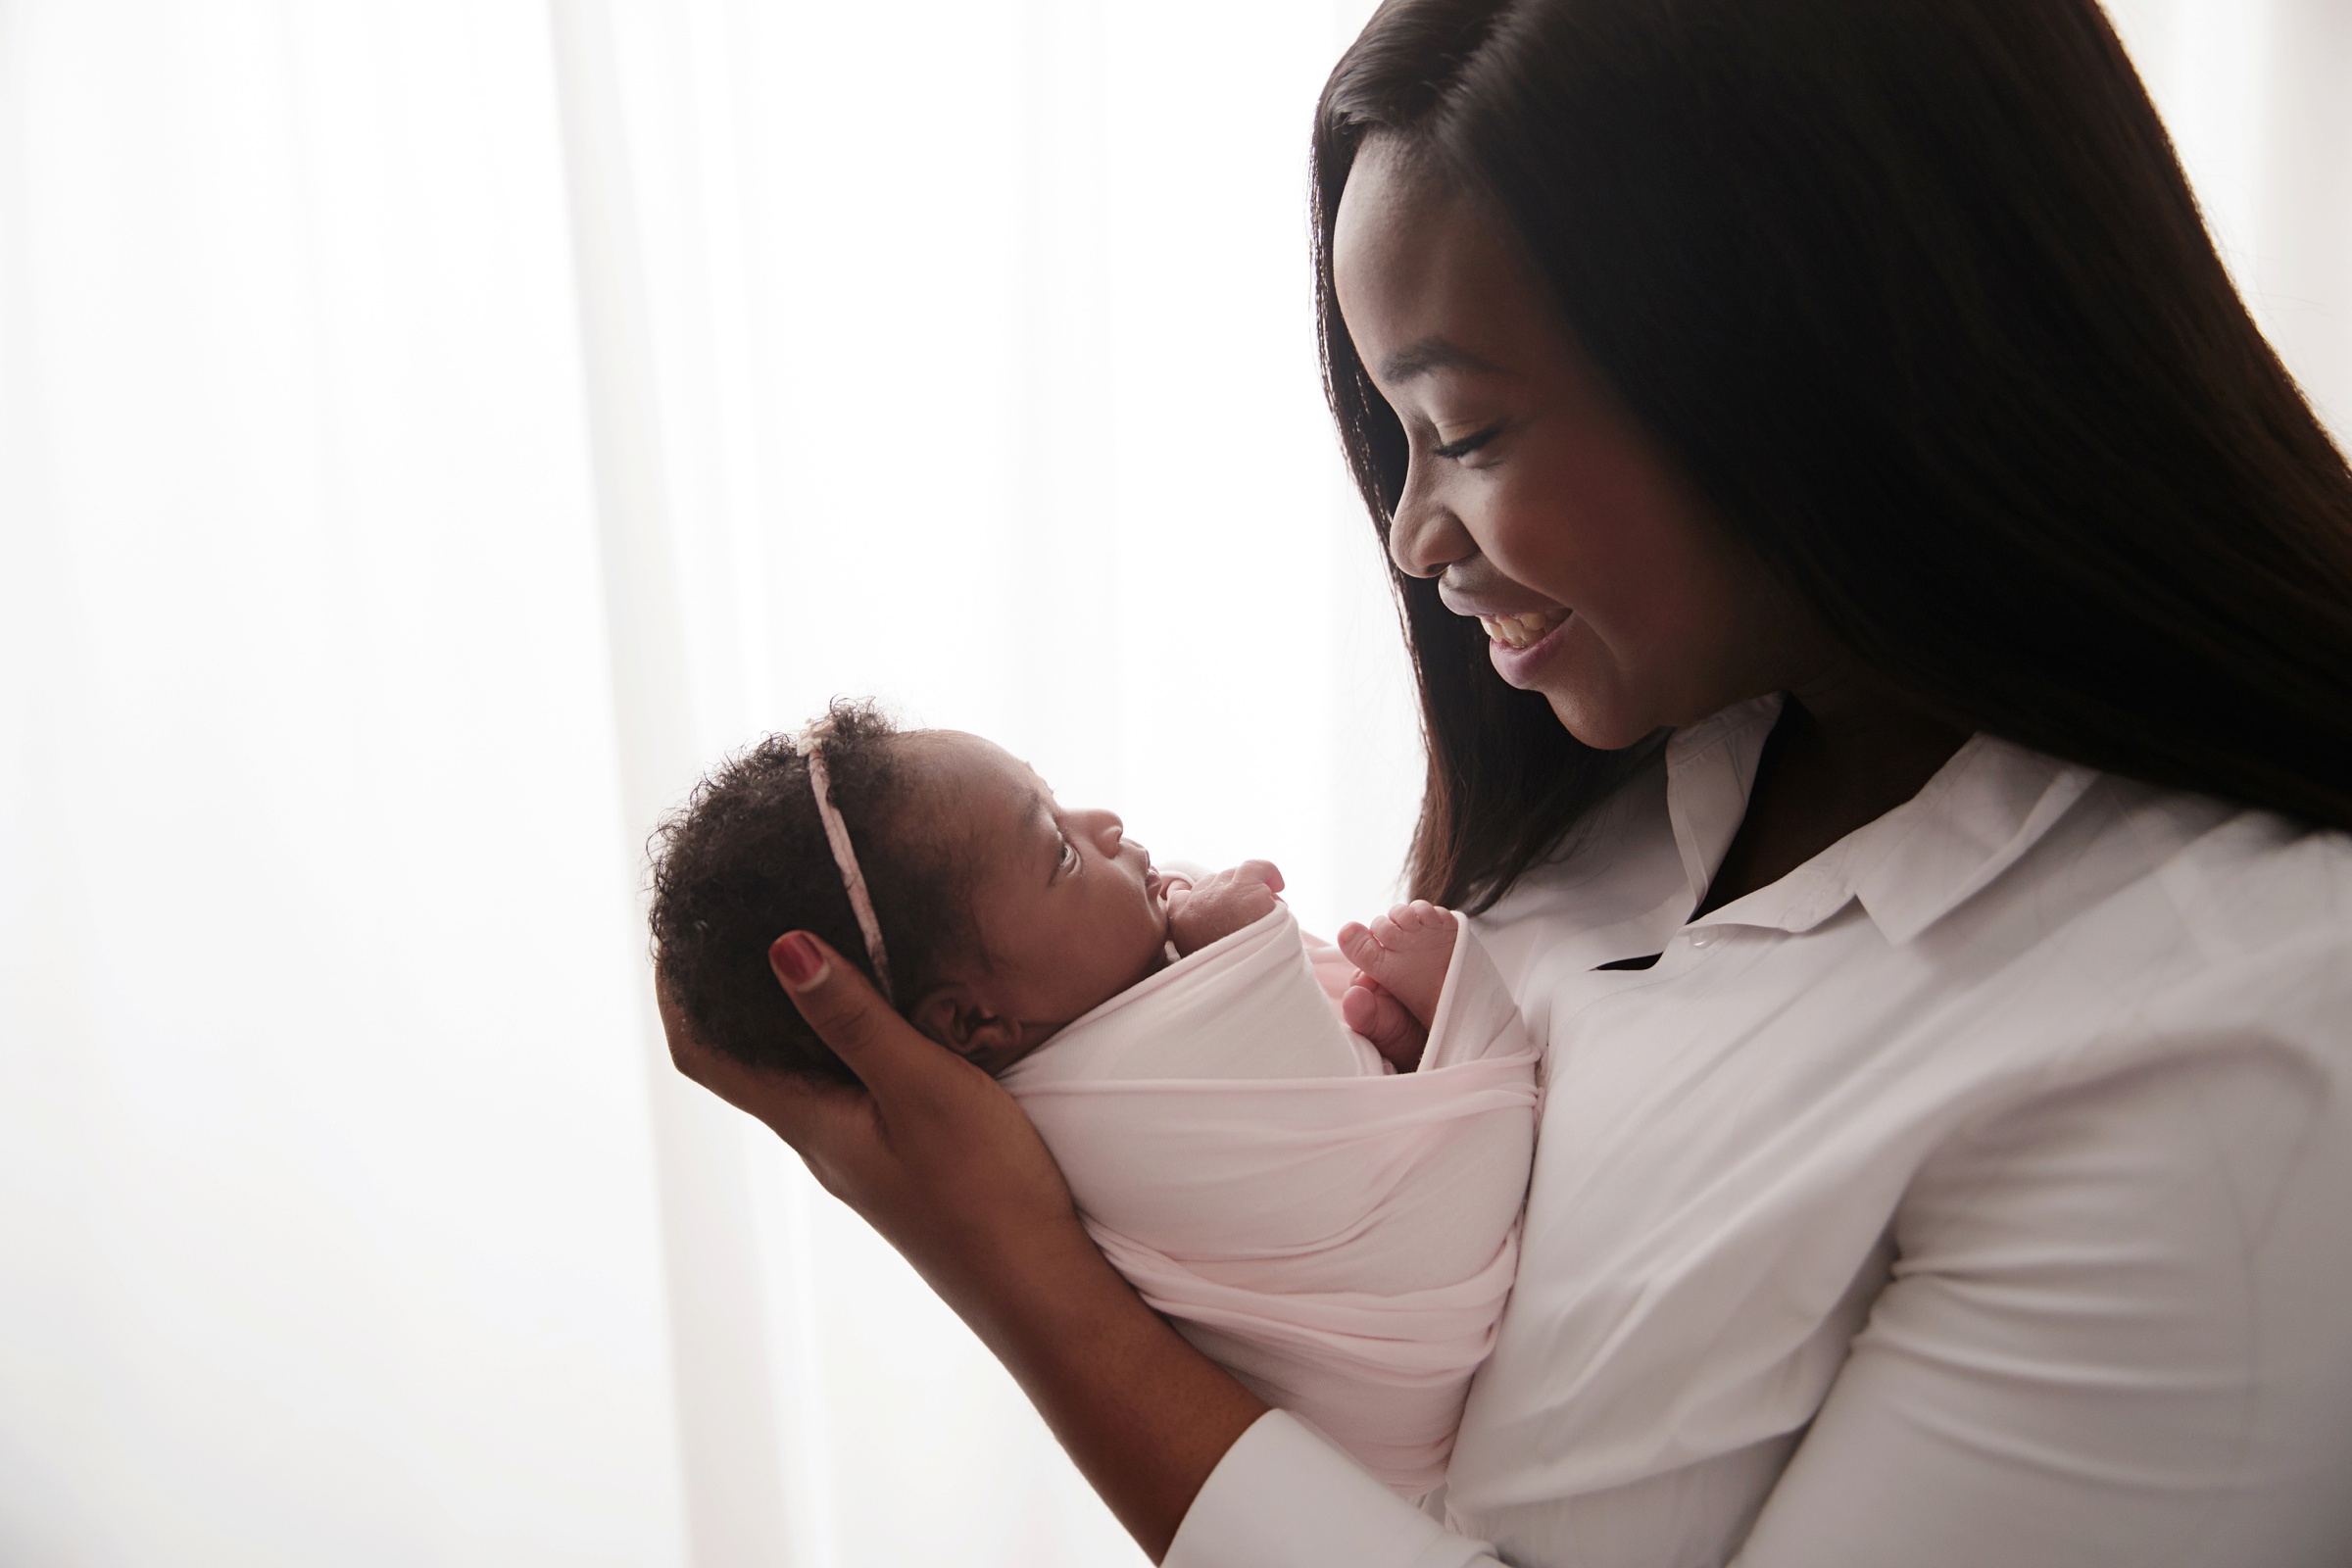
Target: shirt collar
{"points": [[1981, 811]]}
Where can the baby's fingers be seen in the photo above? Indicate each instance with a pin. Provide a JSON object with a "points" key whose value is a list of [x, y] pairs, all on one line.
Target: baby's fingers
{"points": [[1262, 871]]}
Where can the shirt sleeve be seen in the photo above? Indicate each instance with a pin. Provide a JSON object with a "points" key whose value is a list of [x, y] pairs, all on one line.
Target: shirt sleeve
{"points": [[1282, 1497], [2114, 1336]]}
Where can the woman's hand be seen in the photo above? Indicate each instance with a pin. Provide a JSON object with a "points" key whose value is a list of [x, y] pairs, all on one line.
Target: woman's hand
{"points": [[930, 1151], [937, 1156]]}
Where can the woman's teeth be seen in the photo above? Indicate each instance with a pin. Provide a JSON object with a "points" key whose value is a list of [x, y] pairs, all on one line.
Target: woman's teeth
{"points": [[1522, 631]]}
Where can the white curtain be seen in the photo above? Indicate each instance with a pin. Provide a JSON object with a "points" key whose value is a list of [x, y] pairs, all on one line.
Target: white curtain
{"points": [[430, 433], [2257, 96]]}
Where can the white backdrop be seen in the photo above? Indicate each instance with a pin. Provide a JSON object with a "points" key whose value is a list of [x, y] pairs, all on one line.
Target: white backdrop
{"points": [[427, 434]]}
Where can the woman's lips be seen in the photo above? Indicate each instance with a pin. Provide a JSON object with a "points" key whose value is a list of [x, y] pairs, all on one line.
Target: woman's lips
{"points": [[1520, 644]]}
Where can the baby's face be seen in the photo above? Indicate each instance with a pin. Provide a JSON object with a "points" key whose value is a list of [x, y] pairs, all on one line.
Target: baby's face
{"points": [[1068, 907]]}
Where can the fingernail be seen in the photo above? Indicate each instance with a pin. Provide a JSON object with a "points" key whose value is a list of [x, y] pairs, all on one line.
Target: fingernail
{"points": [[798, 963]]}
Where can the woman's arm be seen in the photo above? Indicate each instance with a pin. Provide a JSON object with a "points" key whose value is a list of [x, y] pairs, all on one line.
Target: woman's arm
{"points": [[940, 1159]]}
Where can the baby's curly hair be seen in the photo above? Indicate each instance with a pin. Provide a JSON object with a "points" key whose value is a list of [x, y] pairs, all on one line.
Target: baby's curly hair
{"points": [[746, 861]]}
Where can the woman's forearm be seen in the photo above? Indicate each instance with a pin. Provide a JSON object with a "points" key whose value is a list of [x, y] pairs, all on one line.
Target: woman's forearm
{"points": [[1144, 1414]]}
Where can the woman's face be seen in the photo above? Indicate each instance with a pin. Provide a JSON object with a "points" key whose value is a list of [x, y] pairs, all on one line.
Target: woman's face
{"points": [[1601, 578]]}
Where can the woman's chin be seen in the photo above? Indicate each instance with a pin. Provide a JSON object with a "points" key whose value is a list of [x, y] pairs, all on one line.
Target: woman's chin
{"points": [[1573, 672], [1604, 725]]}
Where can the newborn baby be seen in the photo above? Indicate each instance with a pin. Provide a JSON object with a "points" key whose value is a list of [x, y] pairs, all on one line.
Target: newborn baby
{"points": [[1235, 1107], [1007, 917]]}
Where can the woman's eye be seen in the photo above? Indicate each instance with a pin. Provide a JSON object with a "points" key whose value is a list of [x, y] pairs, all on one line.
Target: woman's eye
{"points": [[1467, 444]]}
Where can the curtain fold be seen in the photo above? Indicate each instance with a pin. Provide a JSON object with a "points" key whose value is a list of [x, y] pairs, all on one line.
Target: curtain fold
{"points": [[327, 1218]]}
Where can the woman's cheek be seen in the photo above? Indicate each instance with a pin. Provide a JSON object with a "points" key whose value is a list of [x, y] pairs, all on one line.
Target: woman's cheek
{"points": [[1542, 544], [1599, 699]]}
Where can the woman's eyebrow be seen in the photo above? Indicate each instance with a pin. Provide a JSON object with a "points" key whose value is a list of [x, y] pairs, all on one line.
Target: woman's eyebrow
{"points": [[1430, 354]]}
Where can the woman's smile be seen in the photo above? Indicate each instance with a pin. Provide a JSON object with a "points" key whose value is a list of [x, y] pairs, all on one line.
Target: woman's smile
{"points": [[1521, 637], [1523, 630], [1522, 647]]}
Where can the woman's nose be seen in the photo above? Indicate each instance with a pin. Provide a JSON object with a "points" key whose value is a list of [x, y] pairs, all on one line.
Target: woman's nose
{"points": [[1425, 537]]}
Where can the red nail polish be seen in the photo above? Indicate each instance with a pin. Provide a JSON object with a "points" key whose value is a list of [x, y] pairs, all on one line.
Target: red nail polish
{"points": [[796, 959]]}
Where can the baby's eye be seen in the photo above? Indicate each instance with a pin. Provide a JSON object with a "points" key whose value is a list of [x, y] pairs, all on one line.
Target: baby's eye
{"points": [[1070, 853]]}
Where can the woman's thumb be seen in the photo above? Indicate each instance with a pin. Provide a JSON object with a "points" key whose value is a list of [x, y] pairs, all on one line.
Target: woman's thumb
{"points": [[842, 1006]]}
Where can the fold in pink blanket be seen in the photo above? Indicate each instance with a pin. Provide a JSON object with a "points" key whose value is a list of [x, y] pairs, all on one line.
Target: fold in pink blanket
{"points": [[1340, 1238]]}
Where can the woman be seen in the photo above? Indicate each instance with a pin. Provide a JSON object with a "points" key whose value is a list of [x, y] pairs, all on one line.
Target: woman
{"points": [[1948, 1125]]}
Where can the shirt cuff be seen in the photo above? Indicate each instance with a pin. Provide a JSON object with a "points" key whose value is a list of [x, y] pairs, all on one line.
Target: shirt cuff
{"points": [[1282, 1498]]}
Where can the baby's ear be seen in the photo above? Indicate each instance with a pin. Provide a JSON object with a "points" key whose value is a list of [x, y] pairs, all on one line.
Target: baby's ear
{"points": [[953, 1016]]}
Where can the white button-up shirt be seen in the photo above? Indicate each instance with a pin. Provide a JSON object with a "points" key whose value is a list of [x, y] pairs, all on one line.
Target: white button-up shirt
{"points": [[1979, 1193]]}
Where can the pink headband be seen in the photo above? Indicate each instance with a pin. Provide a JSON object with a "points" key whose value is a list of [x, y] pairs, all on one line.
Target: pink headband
{"points": [[853, 880]]}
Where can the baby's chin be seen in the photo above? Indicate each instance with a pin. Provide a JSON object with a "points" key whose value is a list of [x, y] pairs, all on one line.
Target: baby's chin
{"points": [[1156, 923], [1162, 934]]}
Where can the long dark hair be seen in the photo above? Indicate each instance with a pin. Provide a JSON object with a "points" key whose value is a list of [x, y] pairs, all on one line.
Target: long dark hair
{"points": [[1916, 292]]}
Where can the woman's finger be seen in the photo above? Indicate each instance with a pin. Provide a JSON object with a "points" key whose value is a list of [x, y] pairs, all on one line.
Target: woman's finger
{"points": [[889, 1054]]}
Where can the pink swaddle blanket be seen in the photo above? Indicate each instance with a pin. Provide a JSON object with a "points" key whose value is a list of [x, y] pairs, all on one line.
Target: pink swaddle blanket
{"points": [[1340, 1238]]}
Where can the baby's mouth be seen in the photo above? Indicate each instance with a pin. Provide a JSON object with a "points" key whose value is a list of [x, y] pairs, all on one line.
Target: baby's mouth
{"points": [[1522, 630]]}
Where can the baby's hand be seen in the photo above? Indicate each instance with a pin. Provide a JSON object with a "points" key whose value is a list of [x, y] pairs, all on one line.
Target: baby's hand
{"points": [[1220, 903]]}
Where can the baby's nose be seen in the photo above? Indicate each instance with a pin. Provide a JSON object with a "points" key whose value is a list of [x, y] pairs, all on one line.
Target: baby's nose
{"points": [[1106, 830]]}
